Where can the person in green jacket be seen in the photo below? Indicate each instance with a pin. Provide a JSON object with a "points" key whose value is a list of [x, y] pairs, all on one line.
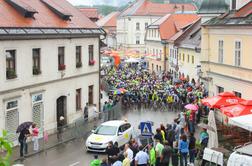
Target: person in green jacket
{"points": [[96, 161], [152, 154]]}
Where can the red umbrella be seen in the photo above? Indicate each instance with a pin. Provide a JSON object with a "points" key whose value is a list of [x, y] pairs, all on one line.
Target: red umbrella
{"points": [[243, 108], [221, 100]]}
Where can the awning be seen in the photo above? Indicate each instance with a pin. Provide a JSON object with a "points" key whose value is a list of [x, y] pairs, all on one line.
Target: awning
{"points": [[244, 122]]}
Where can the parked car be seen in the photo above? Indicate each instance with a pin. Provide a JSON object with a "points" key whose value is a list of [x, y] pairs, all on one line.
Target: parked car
{"points": [[116, 131]]}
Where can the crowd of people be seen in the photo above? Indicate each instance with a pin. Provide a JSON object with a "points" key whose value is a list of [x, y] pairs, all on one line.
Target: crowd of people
{"points": [[175, 143]]}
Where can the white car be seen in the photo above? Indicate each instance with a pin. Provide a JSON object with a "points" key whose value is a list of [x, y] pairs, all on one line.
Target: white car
{"points": [[116, 131]]}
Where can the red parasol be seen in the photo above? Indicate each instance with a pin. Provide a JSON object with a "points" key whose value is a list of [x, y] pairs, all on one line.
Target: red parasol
{"points": [[243, 108], [221, 100]]}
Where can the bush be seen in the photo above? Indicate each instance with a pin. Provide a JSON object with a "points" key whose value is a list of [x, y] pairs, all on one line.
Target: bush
{"points": [[6, 148]]}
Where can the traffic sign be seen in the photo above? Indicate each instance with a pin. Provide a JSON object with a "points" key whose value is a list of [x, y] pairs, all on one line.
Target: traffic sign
{"points": [[146, 128]]}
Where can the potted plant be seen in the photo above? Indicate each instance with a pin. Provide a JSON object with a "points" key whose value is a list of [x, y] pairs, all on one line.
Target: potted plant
{"points": [[78, 64], [36, 71], [11, 73], [91, 62], [62, 67]]}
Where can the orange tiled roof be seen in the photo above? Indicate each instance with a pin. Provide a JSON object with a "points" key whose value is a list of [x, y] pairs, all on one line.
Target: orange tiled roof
{"points": [[109, 20], [90, 12], [45, 17], [171, 24], [146, 7], [244, 11]]}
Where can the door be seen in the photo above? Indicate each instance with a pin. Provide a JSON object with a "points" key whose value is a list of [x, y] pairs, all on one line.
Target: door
{"points": [[38, 112], [91, 94], [61, 109], [120, 135]]}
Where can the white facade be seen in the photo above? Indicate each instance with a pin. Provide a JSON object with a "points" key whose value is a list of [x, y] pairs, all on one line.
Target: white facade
{"points": [[51, 83], [129, 36]]}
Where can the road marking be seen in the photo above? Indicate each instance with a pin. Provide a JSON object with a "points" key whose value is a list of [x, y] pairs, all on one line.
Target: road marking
{"points": [[74, 164]]}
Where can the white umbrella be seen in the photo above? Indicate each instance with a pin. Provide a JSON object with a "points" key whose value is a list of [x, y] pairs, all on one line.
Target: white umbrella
{"points": [[213, 135]]}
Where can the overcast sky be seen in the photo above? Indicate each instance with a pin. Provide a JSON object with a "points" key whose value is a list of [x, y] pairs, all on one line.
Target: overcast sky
{"points": [[99, 2]]}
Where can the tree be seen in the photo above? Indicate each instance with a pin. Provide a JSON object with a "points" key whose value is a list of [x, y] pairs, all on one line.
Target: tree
{"points": [[6, 148]]}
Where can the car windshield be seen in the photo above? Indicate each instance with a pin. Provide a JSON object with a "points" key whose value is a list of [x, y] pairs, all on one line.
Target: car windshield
{"points": [[106, 130]]}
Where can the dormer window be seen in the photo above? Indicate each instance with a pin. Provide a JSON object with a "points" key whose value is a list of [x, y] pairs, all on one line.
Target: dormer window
{"points": [[57, 10], [23, 8]]}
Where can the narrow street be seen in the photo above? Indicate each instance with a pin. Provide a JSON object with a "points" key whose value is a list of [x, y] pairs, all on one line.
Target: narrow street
{"points": [[74, 153]]}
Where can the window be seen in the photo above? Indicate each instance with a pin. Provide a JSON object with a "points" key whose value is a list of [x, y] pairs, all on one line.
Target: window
{"points": [[192, 59], [160, 54], [11, 64], [152, 67], [237, 94], [146, 25], [220, 57], [90, 94], [237, 53], [160, 68], [36, 61], [183, 57], [188, 58], [137, 26], [78, 57], [157, 68], [137, 39], [61, 58], [179, 56], [78, 99], [220, 89], [91, 55]]}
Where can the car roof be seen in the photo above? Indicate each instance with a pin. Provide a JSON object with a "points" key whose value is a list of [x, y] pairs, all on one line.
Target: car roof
{"points": [[114, 123]]}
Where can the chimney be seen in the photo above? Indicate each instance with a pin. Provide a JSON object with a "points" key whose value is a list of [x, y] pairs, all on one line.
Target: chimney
{"points": [[233, 4]]}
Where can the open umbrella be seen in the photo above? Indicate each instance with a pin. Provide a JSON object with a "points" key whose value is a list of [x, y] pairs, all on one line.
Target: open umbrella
{"points": [[213, 136], [192, 107], [177, 81], [23, 126], [221, 100], [241, 109], [117, 92], [205, 126], [122, 90]]}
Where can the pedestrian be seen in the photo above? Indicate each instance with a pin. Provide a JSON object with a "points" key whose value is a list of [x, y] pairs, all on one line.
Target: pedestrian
{"points": [[86, 112], [60, 128], [159, 148], [192, 148], [166, 154], [96, 161], [110, 152], [126, 161], [129, 152], [35, 133], [158, 135], [24, 134], [183, 150], [152, 155], [175, 156], [105, 111], [104, 162], [119, 161], [142, 158]]}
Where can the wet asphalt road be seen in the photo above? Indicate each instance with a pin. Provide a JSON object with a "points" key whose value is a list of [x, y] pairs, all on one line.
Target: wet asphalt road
{"points": [[74, 153]]}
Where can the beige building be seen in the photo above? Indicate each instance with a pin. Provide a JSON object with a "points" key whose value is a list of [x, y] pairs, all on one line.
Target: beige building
{"points": [[188, 45], [226, 57], [160, 37]]}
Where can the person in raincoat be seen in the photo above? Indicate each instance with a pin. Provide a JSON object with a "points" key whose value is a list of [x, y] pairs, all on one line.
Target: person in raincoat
{"points": [[152, 154], [96, 161]]}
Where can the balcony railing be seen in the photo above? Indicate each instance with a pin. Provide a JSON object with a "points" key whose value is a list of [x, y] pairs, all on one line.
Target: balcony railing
{"points": [[11, 73], [78, 64], [62, 67], [36, 71], [91, 62]]}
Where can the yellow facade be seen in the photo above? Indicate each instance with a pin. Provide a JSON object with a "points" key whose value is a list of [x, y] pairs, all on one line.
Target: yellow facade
{"points": [[227, 74], [188, 62]]}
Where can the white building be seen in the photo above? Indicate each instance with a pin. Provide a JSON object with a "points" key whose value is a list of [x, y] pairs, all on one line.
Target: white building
{"points": [[133, 21], [49, 65], [108, 23]]}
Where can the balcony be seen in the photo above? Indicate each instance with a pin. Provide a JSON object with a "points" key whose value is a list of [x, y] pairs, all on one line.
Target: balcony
{"points": [[36, 71], [11, 74], [78, 64], [61, 67], [91, 62]]}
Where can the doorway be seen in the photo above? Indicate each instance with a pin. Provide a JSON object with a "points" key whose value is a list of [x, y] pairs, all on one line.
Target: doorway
{"points": [[61, 109], [91, 94]]}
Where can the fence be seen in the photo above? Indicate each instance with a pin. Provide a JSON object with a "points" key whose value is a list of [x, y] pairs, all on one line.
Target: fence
{"points": [[81, 128]]}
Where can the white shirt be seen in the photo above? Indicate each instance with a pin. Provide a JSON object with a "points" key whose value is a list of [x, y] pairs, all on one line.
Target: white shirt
{"points": [[130, 154], [142, 157], [117, 163]]}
